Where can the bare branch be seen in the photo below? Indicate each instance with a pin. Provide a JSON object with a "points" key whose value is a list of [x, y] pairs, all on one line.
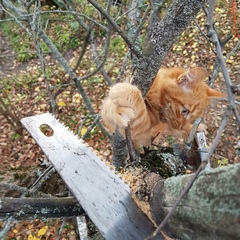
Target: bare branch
{"points": [[6, 228], [104, 57], [96, 120], [214, 37], [131, 149], [95, 59], [116, 27], [23, 190], [42, 178], [84, 48], [128, 54], [32, 208], [218, 136]]}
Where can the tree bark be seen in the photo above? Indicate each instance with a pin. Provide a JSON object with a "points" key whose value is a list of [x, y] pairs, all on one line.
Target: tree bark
{"points": [[210, 210], [163, 35], [37, 208]]}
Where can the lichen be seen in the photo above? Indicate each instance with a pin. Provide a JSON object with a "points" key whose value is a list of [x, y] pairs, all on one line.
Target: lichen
{"points": [[163, 162]]}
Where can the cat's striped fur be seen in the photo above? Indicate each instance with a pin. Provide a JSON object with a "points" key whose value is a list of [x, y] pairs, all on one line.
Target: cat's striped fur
{"points": [[176, 98]]}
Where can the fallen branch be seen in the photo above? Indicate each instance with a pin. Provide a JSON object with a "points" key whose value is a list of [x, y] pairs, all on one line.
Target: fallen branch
{"points": [[38, 208]]}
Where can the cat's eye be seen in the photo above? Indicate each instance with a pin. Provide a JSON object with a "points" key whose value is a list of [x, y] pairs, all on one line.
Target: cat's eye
{"points": [[184, 112]]}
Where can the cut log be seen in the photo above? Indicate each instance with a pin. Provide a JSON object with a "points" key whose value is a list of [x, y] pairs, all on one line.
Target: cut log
{"points": [[210, 210], [38, 208]]}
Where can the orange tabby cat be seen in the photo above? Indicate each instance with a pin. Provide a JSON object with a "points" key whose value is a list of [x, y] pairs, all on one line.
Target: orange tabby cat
{"points": [[175, 100]]}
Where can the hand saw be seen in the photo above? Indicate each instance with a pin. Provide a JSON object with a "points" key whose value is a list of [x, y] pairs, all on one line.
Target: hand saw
{"points": [[104, 196]]}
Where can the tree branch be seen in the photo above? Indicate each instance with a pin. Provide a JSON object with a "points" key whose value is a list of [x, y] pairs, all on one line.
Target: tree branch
{"points": [[116, 27], [39, 208], [213, 35]]}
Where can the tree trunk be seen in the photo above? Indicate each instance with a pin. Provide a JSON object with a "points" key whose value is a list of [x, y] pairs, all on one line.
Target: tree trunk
{"points": [[37, 208], [162, 36], [210, 210]]}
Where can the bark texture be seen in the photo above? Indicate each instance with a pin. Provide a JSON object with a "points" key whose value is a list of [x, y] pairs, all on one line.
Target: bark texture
{"points": [[210, 210], [163, 35], [37, 208]]}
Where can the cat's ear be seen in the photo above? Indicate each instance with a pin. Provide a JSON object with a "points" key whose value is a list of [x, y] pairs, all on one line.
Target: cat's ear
{"points": [[212, 93], [191, 77]]}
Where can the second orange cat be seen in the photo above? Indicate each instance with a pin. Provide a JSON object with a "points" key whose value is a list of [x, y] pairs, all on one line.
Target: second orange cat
{"points": [[175, 100]]}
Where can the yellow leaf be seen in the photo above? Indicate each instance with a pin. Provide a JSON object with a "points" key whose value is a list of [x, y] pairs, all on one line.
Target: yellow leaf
{"points": [[15, 230], [61, 104], [30, 226], [30, 237], [222, 162], [84, 129], [42, 231]]}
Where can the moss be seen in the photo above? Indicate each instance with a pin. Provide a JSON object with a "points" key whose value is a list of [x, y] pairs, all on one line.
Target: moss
{"points": [[163, 162]]}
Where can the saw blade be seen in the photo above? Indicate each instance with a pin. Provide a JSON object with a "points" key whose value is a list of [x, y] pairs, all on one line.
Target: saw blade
{"points": [[104, 196]]}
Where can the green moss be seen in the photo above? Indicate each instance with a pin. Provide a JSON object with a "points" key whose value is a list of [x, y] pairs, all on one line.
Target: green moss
{"points": [[163, 162]]}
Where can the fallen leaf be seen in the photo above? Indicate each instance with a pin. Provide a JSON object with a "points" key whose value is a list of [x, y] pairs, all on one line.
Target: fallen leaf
{"points": [[83, 131], [61, 104], [42, 231]]}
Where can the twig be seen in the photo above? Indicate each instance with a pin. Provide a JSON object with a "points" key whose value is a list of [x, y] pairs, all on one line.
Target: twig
{"points": [[116, 27], [219, 133], [213, 35], [129, 144], [6, 228], [35, 27], [60, 229], [193, 132], [128, 54], [92, 126], [95, 59], [104, 57], [23, 190], [42, 178], [84, 48]]}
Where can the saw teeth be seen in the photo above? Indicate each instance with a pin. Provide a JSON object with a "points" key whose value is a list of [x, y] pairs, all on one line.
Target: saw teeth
{"points": [[112, 168], [108, 164]]}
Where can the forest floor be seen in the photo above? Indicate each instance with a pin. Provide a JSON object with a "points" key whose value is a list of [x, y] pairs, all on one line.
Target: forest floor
{"points": [[21, 158]]}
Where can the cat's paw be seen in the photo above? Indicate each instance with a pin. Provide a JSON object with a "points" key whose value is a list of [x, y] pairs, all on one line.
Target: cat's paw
{"points": [[125, 115]]}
